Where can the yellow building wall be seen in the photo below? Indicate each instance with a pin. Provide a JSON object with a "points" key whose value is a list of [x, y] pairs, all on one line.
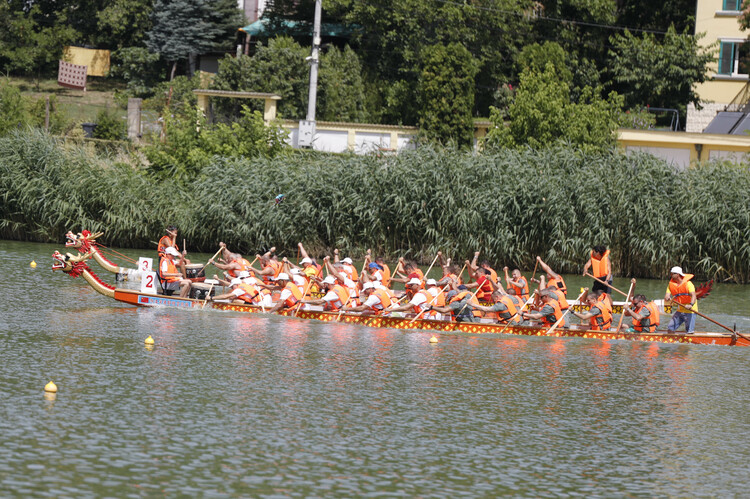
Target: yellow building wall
{"points": [[96, 60], [718, 25]]}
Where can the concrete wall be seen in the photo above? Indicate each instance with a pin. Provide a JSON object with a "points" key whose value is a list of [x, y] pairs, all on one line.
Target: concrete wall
{"points": [[358, 138], [683, 148]]}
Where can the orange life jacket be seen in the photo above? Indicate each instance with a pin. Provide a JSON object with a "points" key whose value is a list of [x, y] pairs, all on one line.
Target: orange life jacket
{"points": [[653, 319], [493, 274], [343, 297], [386, 276], [561, 300], [522, 291], [679, 291], [602, 320], [244, 265], [511, 312], [164, 243], [251, 293], [556, 315], [351, 272], [560, 283], [276, 267], [171, 269], [485, 289], [384, 297], [296, 294], [599, 266]]}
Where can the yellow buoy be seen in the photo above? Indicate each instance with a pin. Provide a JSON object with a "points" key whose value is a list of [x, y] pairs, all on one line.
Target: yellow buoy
{"points": [[33, 264], [149, 340], [50, 387], [433, 339]]}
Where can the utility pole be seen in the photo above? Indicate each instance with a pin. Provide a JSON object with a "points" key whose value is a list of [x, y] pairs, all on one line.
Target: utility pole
{"points": [[307, 126]]}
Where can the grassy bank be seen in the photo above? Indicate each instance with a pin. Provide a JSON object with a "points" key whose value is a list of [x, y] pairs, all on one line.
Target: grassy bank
{"points": [[512, 206]]}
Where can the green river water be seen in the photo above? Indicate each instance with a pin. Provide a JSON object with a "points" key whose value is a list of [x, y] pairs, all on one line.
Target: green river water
{"points": [[232, 405]]}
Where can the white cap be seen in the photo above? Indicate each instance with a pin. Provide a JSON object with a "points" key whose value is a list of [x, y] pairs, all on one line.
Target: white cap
{"points": [[305, 260], [431, 282], [368, 285], [282, 277], [414, 280], [243, 274], [171, 251], [347, 260], [235, 282], [329, 280], [677, 270]]}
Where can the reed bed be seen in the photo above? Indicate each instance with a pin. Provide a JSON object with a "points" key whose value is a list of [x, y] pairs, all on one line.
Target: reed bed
{"points": [[512, 205]]}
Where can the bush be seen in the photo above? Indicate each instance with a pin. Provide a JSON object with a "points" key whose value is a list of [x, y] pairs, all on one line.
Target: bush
{"points": [[110, 126]]}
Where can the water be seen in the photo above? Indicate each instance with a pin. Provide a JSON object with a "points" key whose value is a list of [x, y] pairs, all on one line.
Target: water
{"points": [[230, 405]]}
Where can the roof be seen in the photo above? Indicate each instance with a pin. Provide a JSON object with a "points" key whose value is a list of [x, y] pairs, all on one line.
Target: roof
{"points": [[262, 27]]}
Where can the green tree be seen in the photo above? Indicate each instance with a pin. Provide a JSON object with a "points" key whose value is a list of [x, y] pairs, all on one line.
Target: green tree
{"points": [[446, 92], [543, 114], [278, 67], [659, 71], [28, 46], [138, 67], [124, 23], [186, 28], [341, 93]]}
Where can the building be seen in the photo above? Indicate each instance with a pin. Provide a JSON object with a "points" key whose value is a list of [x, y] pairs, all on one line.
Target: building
{"points": [[728, 88]]}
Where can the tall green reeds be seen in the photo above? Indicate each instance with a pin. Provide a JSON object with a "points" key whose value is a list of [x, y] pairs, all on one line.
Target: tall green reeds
{"points": [[512, 205]]}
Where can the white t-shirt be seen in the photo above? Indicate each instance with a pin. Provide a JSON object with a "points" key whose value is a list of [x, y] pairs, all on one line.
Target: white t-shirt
{"points": [[373, 300], [238, 291], [418, 299], [330, 296], [285, 293], [299, 281], [434, 291]]}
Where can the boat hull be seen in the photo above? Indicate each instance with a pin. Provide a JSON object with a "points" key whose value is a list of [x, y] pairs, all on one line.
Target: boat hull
{"points": [[703, 338]]}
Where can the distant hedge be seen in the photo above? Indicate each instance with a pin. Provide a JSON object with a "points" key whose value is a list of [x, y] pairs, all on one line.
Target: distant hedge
{"points": [[511, 205]]}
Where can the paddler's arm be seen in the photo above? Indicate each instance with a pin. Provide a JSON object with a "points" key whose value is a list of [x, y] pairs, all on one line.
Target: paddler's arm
{"points": [[547, 268], [473, 265], [587, 266], [335, 255], [302, 251], [267, 254]]}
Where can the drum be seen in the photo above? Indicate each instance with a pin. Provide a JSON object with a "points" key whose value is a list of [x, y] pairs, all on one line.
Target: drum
{"points": [[199, 290], [195, 272]]}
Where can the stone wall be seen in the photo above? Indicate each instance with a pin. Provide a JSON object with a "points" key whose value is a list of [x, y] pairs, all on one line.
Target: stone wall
{"points": [[697, 120]]}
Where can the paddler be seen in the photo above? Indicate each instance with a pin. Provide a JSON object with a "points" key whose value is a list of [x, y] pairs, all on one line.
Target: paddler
{"points": [[549, 313], [681, 291], [484, 283], [172, 279], [517, 285], [374, 300], [553, 278], [645, 315], [336, 295], [601, 268], [385, 270], [418, 298], [503, 306], [240, 293], [460, 303], [270, 266], [170, 239], [290, 293], [233, 264], [599, 314], [484, 264]]}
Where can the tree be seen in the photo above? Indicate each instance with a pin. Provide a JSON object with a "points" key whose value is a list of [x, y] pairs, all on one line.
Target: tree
{"points": [[124, 23], [341, 95], [28, 46], [185, 28], [659, 71], [543, 114], [278, 68], [446, 94]]}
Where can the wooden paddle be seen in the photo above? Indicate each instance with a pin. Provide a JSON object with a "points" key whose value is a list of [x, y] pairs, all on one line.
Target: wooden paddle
{"points": [[430, 267], [534, 273], [554, 326], [608, 285], [207, 295], [627, 300], [299, 305], [206, 265], [715, 322]]}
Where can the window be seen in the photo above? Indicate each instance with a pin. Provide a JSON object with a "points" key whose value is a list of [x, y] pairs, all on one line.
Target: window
{"points": [[734, 58], [732, 5]]}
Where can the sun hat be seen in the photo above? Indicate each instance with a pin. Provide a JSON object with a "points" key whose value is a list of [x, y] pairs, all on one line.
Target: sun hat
{"points": [[414, 281], [368, 285], [329, 280], [305, 260], [347, 260], [235, 282], [171, 251], [282, 277], [677, 270], [431, 282]]}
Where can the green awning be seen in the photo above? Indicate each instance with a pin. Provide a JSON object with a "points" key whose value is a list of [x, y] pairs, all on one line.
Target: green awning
{"points": [[261, 27]]}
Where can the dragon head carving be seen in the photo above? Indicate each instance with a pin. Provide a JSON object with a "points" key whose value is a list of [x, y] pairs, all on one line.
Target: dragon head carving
{"points": [[72, 265], [81, 241]]}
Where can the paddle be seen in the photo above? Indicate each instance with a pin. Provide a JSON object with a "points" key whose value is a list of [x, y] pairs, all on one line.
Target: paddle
{"points": [[627, 300], [715, 322], [430, 267], [608, 285], [562, 318], [299, 305], [531, 298], [215, 255], [468, 300], [534, 273], [207, 295], [425, 309]]}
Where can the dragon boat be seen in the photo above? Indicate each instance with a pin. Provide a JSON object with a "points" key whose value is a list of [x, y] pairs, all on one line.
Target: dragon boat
{"points": [[75, 266]]}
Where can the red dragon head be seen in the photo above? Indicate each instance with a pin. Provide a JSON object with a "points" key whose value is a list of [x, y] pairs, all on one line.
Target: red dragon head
{"points": [[81, 241], [71, 265]]}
